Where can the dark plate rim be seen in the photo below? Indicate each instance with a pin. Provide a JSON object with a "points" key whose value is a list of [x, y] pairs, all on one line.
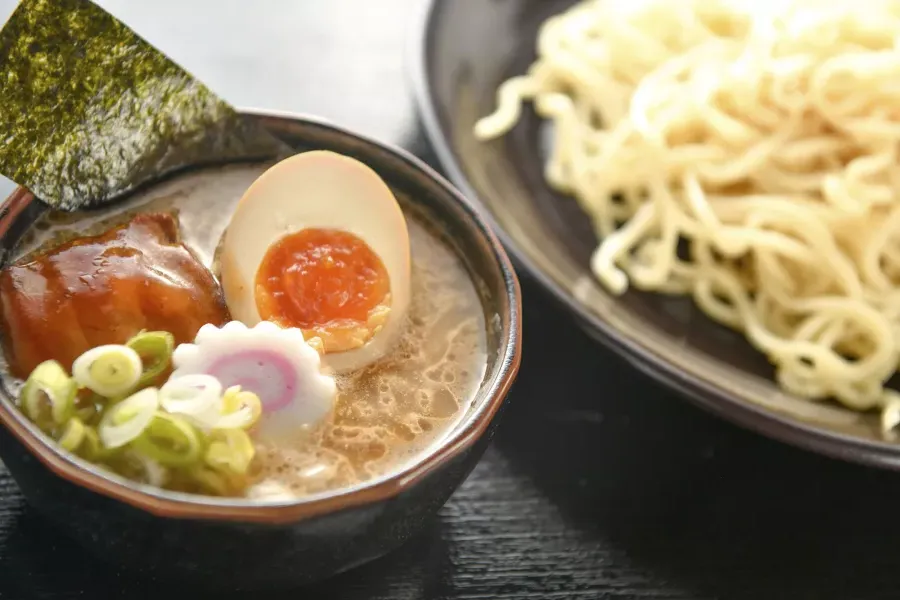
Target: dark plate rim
{"points": [[697, 390], [163, 503]]}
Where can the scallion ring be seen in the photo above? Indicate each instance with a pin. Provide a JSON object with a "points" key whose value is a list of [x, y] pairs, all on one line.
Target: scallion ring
{"points": [[240, 410], [208, 419], [193, 394], [89, 405], [86, 413], [48, 396], [230, 450], [125, 421], [212, 481], [72, 434], [91, 448], [171, 441], [148, 469], [111, 370], [155, 349]]}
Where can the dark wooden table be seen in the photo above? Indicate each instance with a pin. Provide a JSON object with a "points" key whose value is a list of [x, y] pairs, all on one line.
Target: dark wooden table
{"points": [[599, 484]]}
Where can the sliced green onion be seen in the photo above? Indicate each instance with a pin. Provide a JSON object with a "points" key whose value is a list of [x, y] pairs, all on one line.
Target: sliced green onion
{"points": [[215, 482], [239, 409], [154, 473], [48, 396], [110, 370], [155, 349], [229, 450], [210, 480], [229, 399], [171, 441], [86, 413], [138, 467], [72, 434], [91, 448], [194, 394], [125, 421], [87, 406]]}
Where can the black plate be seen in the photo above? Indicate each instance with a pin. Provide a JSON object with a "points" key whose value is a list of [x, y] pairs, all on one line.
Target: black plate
{"points": [[463, 51]]}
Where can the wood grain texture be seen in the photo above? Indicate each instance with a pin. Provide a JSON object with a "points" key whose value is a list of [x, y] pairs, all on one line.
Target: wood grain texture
{"points": [[598, 486]]}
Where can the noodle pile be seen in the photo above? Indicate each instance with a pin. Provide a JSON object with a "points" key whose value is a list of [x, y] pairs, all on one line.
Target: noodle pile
{"points": [[746, 154]]}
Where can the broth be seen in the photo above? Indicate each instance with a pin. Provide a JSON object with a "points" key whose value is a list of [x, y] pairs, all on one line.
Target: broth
{"points": [[387, 415], [391, 412]]}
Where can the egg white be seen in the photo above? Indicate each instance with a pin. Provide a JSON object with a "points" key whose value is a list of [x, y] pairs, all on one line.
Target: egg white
{"points": [[322, 190]]}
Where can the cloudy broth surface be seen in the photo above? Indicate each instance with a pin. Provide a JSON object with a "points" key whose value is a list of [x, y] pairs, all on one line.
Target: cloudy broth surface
{"points": [[393, 411], [387, 415]]}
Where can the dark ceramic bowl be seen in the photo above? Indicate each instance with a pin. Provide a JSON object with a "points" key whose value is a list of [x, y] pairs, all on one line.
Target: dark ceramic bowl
{"points": [[235, 543], [462, 52]]}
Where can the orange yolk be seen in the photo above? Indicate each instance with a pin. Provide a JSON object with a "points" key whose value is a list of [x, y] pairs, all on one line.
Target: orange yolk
{"points": [[327, 282]]}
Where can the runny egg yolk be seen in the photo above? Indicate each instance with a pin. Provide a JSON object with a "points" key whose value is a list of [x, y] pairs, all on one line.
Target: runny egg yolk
{"points": [[327, 282]]}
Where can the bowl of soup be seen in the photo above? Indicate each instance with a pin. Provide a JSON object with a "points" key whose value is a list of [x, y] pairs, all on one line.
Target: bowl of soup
{"points": [[254, 374]]}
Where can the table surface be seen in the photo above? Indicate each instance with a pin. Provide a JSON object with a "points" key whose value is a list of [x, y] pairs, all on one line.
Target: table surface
{"points": [[599, 483]]}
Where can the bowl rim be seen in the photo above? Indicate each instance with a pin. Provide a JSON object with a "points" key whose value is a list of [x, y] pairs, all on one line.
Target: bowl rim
{"points": [[163, 503], [701, 392]]}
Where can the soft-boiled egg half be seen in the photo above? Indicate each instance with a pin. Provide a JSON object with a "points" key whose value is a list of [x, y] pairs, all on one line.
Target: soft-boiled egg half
{"points": [[318, 242]]}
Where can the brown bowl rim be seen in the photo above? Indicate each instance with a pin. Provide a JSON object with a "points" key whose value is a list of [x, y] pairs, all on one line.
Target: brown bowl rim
{"points": [[189, 507]]}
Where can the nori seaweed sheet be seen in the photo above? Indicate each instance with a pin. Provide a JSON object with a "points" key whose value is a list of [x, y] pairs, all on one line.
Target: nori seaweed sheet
{"points": [[89, 110]]}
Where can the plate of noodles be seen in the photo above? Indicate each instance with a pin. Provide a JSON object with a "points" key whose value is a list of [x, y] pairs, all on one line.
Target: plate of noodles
{"points": [[711, 186]]}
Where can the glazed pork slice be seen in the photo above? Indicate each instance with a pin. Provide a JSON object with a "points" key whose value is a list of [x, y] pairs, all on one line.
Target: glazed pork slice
{"points": [[103, 290]]}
